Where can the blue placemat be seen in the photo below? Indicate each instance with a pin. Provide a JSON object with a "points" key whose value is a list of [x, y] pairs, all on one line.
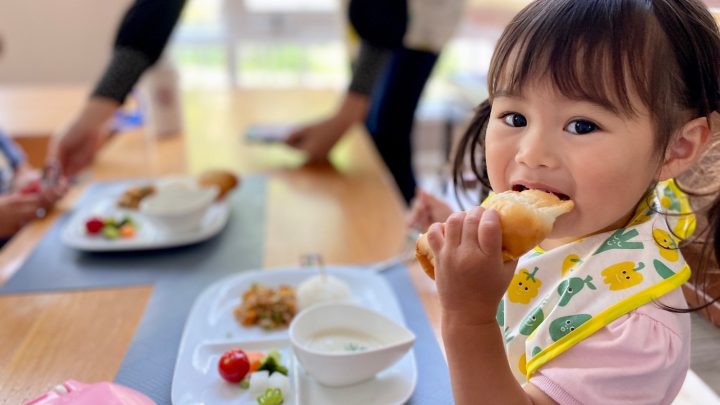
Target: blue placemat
{"points": [[433, 385], [150, 360], [53, 266]]}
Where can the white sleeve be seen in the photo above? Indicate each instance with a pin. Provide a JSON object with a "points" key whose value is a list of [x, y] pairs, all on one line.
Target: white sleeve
{"points": [[431, 23]]}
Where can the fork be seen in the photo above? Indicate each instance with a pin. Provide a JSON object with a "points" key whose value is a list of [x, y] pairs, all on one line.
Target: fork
{"points": [[314, 259], [407, 255]]}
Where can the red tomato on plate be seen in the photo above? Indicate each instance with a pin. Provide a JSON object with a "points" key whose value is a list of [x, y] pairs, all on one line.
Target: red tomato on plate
{"points": [[234, 365], [94, 225]]}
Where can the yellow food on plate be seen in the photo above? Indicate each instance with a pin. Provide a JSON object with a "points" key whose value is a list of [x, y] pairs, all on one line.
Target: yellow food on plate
{"points": [[526, 218]]}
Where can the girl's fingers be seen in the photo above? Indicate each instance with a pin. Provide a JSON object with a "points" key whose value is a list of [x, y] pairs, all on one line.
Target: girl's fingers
{"points": [[453, 228], [26, 213], [24, 200], [489, 233], [470, 228], [477, 210], [436, 237]]}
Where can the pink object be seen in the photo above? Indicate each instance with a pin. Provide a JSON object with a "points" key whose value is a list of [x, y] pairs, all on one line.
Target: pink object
{"points": [[640, 358], [73, 392]]}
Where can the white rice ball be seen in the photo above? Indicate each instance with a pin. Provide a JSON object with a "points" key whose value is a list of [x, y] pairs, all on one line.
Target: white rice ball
{"points": [[320, 289], [278, 380], [259, 382]]}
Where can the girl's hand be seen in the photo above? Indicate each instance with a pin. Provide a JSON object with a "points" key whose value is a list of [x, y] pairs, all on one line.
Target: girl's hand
{"points": [[470, 275], [16, 210], [26, 179], [425, 210]]}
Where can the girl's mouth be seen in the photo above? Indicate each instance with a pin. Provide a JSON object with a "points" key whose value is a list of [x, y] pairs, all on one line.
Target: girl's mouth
{"points": [[520, 187]]}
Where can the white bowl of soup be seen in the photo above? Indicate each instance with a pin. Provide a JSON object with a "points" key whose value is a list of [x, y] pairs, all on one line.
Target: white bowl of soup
{"points": [[342, 344], [178, 206]]}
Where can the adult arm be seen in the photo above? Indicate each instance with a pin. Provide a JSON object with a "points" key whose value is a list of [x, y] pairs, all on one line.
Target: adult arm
{"points": [[141, 38], [144, 31], [317, 139]]}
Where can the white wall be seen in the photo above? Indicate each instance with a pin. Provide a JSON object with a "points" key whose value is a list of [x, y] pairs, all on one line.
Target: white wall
{"points": [[57, 41]]}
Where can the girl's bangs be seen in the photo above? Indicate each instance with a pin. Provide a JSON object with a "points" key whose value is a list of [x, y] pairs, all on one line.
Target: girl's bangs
{"points": [[588, 49]]}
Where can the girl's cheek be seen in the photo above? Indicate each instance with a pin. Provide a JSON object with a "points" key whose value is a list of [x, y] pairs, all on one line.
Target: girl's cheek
{"points": [[496, 162]]}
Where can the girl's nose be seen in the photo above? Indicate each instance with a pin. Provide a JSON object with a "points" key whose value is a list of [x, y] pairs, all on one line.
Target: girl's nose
{"points": [[535, 150]]}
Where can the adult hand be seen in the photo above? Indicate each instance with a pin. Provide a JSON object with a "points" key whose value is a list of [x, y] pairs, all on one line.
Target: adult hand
{"points": [[425, 210], [16, 210], [52, 193], [74, 146], [317, 139]]}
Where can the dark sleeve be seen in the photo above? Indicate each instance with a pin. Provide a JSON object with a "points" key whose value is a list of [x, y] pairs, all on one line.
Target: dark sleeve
{"points": [[370, 62], [141, 38]]}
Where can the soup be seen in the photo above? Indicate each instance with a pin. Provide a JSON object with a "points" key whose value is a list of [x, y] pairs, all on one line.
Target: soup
{"points": [[342, 341]]}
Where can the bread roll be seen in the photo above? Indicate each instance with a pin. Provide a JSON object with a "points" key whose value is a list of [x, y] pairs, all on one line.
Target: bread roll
{"points": [[132, 196], [425, 256], [526, 219], [223, 179]]}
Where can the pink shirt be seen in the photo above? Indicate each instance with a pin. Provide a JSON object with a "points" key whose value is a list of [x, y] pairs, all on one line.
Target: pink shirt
{"points": [[640, 358]]}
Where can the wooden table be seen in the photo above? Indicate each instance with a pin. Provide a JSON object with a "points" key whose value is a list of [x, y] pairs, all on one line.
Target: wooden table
{"points": [[352, 206]]}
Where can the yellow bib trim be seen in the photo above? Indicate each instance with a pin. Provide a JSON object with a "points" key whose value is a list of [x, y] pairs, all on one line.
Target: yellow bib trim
{"points": [[603, 318]]}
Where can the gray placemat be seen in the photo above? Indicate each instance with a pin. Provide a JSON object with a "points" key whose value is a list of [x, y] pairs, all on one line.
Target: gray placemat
{"points": [[433, 385], [53, 266], [150, 361]]}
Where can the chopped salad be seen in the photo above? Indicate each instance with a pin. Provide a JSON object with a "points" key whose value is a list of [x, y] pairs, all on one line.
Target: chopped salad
{"points": [[262, 374]]}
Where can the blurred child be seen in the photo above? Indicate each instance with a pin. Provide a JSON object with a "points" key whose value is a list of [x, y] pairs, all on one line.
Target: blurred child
{"points": [[606, 103], [24, 192]]}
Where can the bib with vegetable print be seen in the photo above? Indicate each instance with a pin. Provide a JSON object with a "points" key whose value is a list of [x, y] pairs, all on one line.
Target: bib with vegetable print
{"points": [[560, 297]]}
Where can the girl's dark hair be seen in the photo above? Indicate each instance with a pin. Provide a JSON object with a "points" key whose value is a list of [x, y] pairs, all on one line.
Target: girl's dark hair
{"points": [[664, 52]]}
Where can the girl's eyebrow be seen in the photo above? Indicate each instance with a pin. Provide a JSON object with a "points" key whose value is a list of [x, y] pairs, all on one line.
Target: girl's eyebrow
{"points": [[506, 93], [602, 104]]}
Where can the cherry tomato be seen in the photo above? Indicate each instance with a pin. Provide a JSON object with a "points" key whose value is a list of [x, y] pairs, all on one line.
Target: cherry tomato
{"points": [[94, 225], [234, 365]]}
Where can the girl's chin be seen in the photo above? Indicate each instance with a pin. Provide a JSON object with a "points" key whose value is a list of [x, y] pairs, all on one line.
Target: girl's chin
{"points": [[563, 233], [563, 229]]}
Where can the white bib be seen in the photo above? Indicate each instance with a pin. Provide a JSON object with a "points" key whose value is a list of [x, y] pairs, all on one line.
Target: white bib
{"points": [[559, 297]]}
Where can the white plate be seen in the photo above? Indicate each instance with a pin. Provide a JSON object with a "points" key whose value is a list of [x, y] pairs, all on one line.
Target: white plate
{"points": [[211, 328], [148, 235]]}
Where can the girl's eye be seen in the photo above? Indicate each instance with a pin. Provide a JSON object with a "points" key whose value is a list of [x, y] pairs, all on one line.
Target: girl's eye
{"points": [[515, 120], [581, 127]]}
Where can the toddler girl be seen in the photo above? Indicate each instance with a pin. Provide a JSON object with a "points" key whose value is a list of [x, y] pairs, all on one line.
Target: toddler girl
{"points": [[605, 103]]}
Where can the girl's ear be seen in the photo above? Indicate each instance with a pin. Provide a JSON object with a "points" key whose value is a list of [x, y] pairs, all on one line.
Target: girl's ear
{"points": [[685, 147]]}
